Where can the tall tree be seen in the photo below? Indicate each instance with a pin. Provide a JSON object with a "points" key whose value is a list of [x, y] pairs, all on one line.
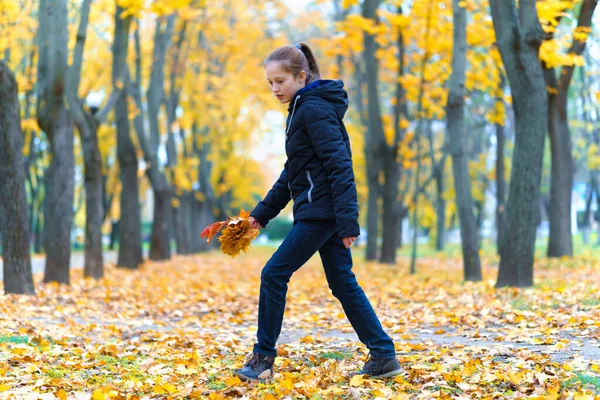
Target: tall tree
{"points": [[13, 201], [87, 125], [560, 241], [130, 226], [159, 242], [458, 147], [375, 136], [519, 35], [54, 119], [500, 179], [393, 208], [181, 206]]}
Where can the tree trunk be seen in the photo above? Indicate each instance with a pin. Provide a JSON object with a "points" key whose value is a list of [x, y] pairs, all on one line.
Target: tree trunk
{"points": [[39, 230], [440, 209], [181, 214], [94, 263], [159, 245], [417, 139], [114, 234], [54, 119], [160, 248], [458, 151], [181, 218], [372, 213], [203, 216], [500, 180], [375, 137], [204, 198], [13, 200], [88, 131], [560, 242], [589, 196], [390, 209], [402, 214], [130, 224], [519, 36], [392, 168]]}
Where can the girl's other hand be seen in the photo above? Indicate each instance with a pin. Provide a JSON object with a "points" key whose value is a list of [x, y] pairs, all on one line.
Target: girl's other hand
{"points": [[255, 224], [348, 241]]}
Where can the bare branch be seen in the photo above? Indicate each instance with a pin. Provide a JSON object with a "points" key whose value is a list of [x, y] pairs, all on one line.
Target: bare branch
{"points": [[74, 76], [110, 103], [577, 47]]}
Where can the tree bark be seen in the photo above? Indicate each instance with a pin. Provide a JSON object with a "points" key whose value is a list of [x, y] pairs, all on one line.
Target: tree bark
{"points": [[182, 214], [181, 218], [458, 151], [560, 241], [417, 138], [17, 273], [54, 119], [204, 201], [392, 168], [440, 208], [519, 36], [87, 125], [375, 137], [500, 180], [159, 243], [130, 224]]}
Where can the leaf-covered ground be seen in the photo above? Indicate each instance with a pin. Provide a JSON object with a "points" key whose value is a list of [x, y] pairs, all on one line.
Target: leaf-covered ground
{"points": [[178, 329]]}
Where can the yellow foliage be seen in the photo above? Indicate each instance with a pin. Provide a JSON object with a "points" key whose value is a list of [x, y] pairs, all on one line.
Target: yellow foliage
{"points": [[30, 124], [131, 8], [349, 3]]}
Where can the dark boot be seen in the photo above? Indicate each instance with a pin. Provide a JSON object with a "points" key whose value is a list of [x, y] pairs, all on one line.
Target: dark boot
{"points": [[258, 367], [381, 367]]}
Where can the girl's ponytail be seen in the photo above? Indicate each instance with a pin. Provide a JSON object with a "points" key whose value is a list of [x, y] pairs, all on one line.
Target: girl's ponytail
{"points": [[313, 72], [295, 59]]}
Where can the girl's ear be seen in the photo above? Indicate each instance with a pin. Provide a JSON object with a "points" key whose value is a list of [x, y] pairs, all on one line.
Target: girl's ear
{"points": [[302, 76]]}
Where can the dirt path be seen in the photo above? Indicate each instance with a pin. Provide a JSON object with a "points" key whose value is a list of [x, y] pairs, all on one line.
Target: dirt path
{"points": [[77, 259]]}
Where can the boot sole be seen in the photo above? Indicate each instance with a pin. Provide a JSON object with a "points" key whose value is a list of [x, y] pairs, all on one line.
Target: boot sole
{"points": [[388, 374], [249, 378]]}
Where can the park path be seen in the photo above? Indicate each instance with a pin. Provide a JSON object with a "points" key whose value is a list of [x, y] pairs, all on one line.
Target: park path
{"points": [[77, 259]]}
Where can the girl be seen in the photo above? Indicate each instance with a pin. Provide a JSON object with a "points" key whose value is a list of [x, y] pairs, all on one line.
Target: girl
{"points": [[318, 176]]}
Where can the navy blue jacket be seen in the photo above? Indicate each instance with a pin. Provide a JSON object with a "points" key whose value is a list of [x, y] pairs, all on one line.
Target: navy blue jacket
{"points": [[318, 173]]}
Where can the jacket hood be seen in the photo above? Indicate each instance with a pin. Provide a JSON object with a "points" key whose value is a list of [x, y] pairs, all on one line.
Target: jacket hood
{"points": [[331, 91]]}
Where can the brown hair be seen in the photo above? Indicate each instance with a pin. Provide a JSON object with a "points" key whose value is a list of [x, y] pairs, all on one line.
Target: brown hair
{"points": [[295, 59]]}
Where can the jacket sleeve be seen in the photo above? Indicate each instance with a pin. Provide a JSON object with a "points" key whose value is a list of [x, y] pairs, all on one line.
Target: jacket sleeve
{"points": [[275, 201], [325, 133]]}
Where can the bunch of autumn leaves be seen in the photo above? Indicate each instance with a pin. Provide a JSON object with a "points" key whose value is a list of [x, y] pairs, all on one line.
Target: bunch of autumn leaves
{"points": [[237, 235]]}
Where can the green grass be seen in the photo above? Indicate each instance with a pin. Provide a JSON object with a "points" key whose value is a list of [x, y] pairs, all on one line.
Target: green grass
{"points": [[55, 373], [590, 302], [14, 339], [336, 355], [214, 384], [488, 248], [520, 304], [584, 379]]}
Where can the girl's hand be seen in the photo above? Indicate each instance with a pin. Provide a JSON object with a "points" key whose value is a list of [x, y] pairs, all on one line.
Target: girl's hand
{"points": [[255, 224], [348, 241]]}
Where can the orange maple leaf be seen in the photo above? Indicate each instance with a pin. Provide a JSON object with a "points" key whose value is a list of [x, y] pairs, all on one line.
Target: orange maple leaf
{"points": [[237, 235], [211, 230]]}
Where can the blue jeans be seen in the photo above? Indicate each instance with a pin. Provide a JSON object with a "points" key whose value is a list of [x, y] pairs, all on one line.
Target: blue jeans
{"points": [[298, 247]]}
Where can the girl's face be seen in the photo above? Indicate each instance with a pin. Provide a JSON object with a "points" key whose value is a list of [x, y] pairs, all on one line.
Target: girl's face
{"points": [[283, 84]]}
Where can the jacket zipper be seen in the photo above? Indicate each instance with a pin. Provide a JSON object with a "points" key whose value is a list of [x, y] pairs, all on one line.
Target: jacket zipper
{"points": [[292, 117], [311, 186], [290, 188]]}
